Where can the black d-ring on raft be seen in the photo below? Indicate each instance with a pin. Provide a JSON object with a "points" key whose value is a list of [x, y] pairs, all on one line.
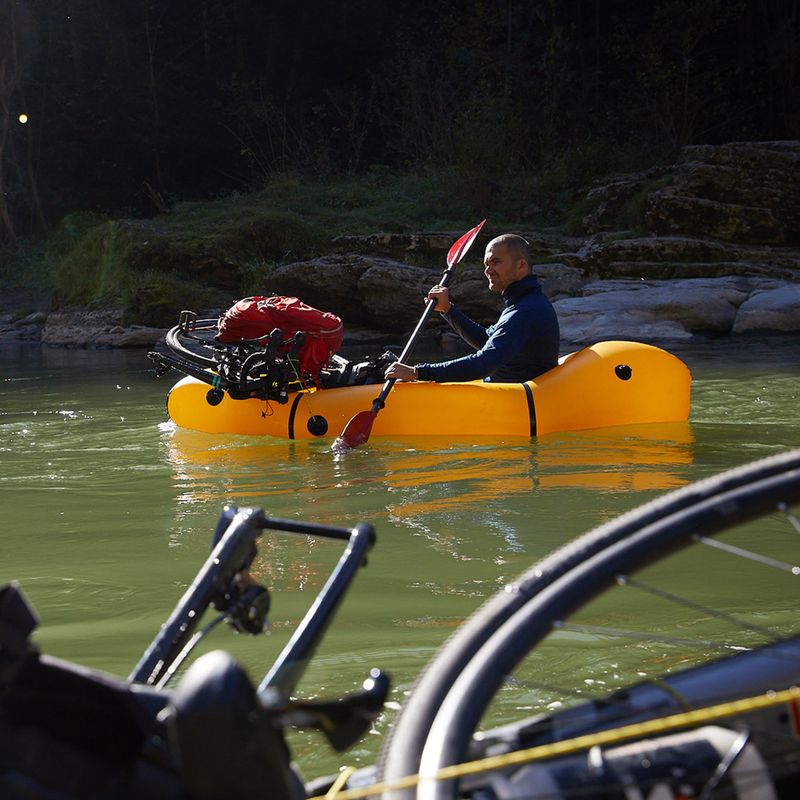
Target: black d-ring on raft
{"points": [[623, 372], [317, 425], [214, 396]]}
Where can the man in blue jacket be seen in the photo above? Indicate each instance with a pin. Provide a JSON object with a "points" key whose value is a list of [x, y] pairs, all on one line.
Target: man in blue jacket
{"points": [[521, 345]]}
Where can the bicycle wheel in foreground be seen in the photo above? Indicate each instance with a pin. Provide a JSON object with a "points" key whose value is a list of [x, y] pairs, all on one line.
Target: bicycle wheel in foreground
{"points": [[688, 601]]}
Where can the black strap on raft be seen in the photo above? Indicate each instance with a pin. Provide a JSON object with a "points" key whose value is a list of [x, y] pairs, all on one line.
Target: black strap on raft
{"points": [[292, 413], [531, 408]]}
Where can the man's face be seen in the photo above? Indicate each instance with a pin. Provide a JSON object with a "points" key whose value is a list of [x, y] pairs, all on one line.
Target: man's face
{"points": [[503, 267]]}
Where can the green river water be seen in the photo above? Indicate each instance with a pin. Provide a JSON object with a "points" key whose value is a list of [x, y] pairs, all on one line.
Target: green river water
{"points": [[108, 510]]}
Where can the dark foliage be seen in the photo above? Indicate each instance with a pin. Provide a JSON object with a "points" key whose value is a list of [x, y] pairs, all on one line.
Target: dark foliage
{"points": [[135, 103]]}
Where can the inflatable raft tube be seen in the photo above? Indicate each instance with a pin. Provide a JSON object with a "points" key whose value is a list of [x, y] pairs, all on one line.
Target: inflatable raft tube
{"points": [[606, 384]]}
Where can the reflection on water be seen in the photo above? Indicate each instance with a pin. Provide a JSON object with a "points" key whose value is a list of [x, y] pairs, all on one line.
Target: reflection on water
{"points": [[634, 458], [484, 501]]}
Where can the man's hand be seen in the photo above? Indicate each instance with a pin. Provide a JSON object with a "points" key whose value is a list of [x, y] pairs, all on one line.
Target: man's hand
{"points": [[400, 372], [442, 298]]}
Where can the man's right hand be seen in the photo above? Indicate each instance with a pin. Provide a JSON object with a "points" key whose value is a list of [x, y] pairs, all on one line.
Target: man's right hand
{"points": [[442, 298]]}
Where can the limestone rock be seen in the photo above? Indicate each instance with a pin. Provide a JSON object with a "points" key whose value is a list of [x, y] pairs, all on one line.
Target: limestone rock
{"points": [[101, 328], [746, 192], [656, 310], [401, 246], [330, 283], [739, 192], [430, 249], [469, 293], [364, 290], [669, 211], [608, 199], [393, 294], [678, 256], [558, 280], [775, 309]]}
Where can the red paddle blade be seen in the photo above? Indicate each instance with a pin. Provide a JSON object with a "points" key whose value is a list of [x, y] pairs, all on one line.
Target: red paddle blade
{"points": [[356, 431], [461, 245]]}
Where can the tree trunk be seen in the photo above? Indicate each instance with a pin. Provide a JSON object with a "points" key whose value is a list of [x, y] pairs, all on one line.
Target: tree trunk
{"points": [[6, 223]]}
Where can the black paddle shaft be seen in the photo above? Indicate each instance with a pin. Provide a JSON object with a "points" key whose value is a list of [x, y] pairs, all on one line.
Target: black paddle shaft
{"points": [[357, 430], [380, 400]]}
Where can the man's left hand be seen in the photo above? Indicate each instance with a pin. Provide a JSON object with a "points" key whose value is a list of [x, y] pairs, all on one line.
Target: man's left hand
{"points": [[400, 372]]}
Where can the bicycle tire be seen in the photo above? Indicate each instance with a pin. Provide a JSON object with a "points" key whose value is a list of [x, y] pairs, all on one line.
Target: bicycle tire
{"points": [[626, 537], [174, 342]]}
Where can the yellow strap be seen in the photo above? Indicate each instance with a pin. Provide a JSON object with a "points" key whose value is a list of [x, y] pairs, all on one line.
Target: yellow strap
{"points": [[341, 780], [637, 730]]}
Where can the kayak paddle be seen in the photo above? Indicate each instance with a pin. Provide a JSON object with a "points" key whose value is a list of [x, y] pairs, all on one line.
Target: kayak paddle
{"points": [[358, 429]]}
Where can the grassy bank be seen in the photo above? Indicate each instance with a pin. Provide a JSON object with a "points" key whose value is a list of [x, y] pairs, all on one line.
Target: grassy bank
{"points": [[200, 254]]}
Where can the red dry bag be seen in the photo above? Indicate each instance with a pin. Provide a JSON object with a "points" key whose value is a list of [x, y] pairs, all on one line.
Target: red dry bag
{"points": [[256, 318]]}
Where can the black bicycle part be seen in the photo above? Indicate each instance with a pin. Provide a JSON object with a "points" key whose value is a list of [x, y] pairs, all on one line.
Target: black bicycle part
{"points": [[201, 333], [510, 623], [345, 720], [267, 368], [282, 678], [214, 583], [71, 732], [224, 582], [226, 743], [17, 622]]}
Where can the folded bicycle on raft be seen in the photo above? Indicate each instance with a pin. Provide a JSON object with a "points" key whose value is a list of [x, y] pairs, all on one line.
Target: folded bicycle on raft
{"points": [[723, 727], [265, 348]]}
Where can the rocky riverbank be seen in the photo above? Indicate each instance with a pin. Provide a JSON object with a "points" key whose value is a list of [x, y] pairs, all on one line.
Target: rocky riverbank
{"points": [[715, 252]]}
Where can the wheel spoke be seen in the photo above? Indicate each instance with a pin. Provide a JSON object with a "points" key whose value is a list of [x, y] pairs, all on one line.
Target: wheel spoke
{"points": [[749, 554], [695, 606]]}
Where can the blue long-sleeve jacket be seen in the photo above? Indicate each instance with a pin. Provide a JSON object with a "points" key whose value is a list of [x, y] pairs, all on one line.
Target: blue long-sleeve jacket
{"points": [[522, 344]]}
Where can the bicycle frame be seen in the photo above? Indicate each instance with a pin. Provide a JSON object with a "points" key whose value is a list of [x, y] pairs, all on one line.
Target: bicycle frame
{"points": [[219, 582], [213, 734]]}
